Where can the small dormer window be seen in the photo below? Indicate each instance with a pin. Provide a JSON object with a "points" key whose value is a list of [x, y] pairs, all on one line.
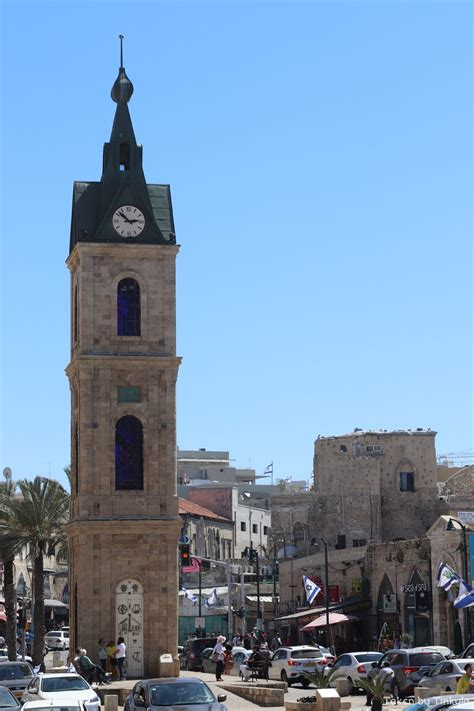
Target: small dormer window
{"points": [[124, 157]]}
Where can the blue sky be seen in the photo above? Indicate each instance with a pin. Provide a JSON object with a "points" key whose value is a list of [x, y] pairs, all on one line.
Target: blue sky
{"points": [[320, 161]]}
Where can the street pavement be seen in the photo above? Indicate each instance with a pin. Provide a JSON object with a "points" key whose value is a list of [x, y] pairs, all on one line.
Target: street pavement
{"points": [[237, 703]]}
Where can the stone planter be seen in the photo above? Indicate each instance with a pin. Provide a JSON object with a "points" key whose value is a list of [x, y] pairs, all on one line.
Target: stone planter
{"points": [[300, 706]]}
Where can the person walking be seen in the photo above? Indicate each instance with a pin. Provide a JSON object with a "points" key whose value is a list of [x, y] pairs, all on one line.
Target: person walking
{"points": [[120, 657], [111, 650], [102, 654], [218, 656]]}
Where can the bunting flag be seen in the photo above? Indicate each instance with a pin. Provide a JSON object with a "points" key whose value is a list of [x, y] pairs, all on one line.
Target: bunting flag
{"points": [[212, 599], [311, 589], [465, 596], [446, 576], [190, 595]]}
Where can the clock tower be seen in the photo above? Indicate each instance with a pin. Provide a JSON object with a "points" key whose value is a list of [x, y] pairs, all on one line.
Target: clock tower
{"points": [[124, 525]]}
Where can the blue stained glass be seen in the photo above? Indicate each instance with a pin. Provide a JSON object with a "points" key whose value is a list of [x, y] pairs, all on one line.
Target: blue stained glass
{"points": [[128, 453], [128, 308]]}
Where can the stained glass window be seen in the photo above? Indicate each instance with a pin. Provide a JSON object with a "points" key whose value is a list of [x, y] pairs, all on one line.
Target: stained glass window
{"points": [[128, 453], [128, 308]]}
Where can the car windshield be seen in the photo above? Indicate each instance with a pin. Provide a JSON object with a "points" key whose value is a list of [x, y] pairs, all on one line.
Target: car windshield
{"points": [[424, 659], [368, 657], [181, 694], [6, 699], [15, 671], [306, 654], [63, 683], [53, 634]]}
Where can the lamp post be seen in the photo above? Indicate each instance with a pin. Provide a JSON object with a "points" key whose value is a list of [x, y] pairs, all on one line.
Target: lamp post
{"points": [[326, 586], [453, 524], [252, 556]]}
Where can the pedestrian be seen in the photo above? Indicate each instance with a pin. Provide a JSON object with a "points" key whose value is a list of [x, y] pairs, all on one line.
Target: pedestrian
{"points": [[218, 656], [120, 657], [111, 650], [253, 665], [228, 659], [102, 654], [87, 669], [466, 682], [276, 643]]}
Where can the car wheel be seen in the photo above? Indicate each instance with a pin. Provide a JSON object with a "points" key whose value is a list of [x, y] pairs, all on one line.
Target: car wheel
{"points": [[305, 683], [284, 677]]}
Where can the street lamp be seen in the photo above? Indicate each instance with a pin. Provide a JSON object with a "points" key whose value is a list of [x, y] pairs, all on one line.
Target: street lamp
{"points": [[252, 556], [453, 525], [326, 586]]}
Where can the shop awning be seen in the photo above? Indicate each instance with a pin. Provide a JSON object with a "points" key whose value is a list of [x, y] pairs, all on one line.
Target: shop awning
{"points": [[54, 603], [335, 618]]}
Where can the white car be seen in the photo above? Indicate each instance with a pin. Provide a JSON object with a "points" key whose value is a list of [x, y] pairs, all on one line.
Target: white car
{"points": [[289, 663], [69, 688], [445, 675], [57, 639], [352, 666], [58, 704]]}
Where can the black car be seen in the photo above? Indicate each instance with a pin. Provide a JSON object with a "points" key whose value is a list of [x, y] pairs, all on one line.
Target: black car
{"points": [[194, 694], [190, 659], [409, 666]]}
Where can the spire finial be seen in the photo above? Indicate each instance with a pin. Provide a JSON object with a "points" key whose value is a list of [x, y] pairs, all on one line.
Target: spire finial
{"points": [[121, 38], [122, 90]]}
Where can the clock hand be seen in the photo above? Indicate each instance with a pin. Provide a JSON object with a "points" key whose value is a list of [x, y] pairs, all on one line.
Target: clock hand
{"points": [[124, 217]]}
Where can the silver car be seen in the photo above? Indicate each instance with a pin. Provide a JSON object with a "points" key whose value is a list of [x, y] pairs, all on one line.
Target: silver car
{"points": [[445, 675], [352, 666], [289, 664]]}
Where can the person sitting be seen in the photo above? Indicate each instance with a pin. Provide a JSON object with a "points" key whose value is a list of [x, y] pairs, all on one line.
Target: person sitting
{"points": [[256, 665], [466, 682], [88, 670]]}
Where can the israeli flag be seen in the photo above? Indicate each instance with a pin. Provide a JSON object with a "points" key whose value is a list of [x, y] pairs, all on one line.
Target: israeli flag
{"points": [[311, 589], [190, 596], [212, 599], [446, 576], [465, 596]]}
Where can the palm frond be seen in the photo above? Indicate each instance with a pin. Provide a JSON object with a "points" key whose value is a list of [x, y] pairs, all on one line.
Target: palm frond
{"points": [[375, 687]]}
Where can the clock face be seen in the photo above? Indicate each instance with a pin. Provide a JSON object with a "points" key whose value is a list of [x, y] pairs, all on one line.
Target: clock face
{"points": [[128, 221]]}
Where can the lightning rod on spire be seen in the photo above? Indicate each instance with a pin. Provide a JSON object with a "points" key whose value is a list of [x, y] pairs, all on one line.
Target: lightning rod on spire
{"points": [[121, 38]]}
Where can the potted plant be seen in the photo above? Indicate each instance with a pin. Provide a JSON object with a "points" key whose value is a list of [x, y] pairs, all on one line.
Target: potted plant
{"points": [[406, 640], [375, 690]]}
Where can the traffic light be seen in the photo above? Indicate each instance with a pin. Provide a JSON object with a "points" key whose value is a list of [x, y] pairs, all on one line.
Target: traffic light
{"points": [[185, 554]]}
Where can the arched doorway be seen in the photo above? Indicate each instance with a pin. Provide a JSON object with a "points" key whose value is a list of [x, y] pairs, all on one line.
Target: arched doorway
{"points": [[129, 623]]}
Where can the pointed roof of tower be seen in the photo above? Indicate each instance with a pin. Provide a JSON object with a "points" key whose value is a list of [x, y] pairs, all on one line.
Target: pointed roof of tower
{"points": [[122, 183]]}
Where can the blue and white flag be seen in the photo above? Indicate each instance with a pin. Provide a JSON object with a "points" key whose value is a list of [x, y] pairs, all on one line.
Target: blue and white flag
{"points": [[465, 596], [269, 469], [446, 576], [190, 596], [311, 589], [212, 599]]}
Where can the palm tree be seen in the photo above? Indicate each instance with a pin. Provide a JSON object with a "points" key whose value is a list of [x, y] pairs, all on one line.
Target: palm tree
{"points": [[375, 690], [317, 678], [7, 489], [35, 520]]}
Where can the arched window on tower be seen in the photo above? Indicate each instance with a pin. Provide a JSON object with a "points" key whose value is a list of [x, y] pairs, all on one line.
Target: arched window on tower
{"points": [[124, 158], [128, 308], [128, 453]]}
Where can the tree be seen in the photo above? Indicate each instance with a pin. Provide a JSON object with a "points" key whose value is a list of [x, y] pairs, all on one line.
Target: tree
{"points": [[375, 690], [35, 521], [7, 555]]}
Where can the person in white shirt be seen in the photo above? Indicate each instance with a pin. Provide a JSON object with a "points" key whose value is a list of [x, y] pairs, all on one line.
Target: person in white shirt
{"points": [[120, 657]]}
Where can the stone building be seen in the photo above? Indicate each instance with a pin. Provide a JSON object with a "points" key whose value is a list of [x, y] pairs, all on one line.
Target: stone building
{"points": [[124, 525], [210, 535]]}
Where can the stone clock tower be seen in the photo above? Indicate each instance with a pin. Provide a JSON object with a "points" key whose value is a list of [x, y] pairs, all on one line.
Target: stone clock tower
{"points": [[124, 525]]}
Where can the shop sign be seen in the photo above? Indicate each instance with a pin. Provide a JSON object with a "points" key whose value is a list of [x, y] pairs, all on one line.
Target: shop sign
{"points": [[414, 587], [356, 585], [334, 593], [389, 603]]}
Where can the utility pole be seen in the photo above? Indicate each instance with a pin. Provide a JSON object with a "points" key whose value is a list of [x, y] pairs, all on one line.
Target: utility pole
{"points": [[326, 587]]}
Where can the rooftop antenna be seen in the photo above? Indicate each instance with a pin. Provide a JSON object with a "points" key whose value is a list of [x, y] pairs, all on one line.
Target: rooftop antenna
{"points": [[121, 38]]}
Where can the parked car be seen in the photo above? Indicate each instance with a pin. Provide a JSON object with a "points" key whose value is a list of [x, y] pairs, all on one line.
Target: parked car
{"points": [[57, 639], [440, 703], [7, 700], [409, 666], [193, 648], [326, 653], [445, 651], [52, 687], [468, 652], [194, 694], [289, 663], [59, 704], [16, 676], [465, 706], [352, 666], [445, 675]]}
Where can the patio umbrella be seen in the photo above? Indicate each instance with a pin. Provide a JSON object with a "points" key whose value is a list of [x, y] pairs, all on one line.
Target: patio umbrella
{"points": [[335, 618]]}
